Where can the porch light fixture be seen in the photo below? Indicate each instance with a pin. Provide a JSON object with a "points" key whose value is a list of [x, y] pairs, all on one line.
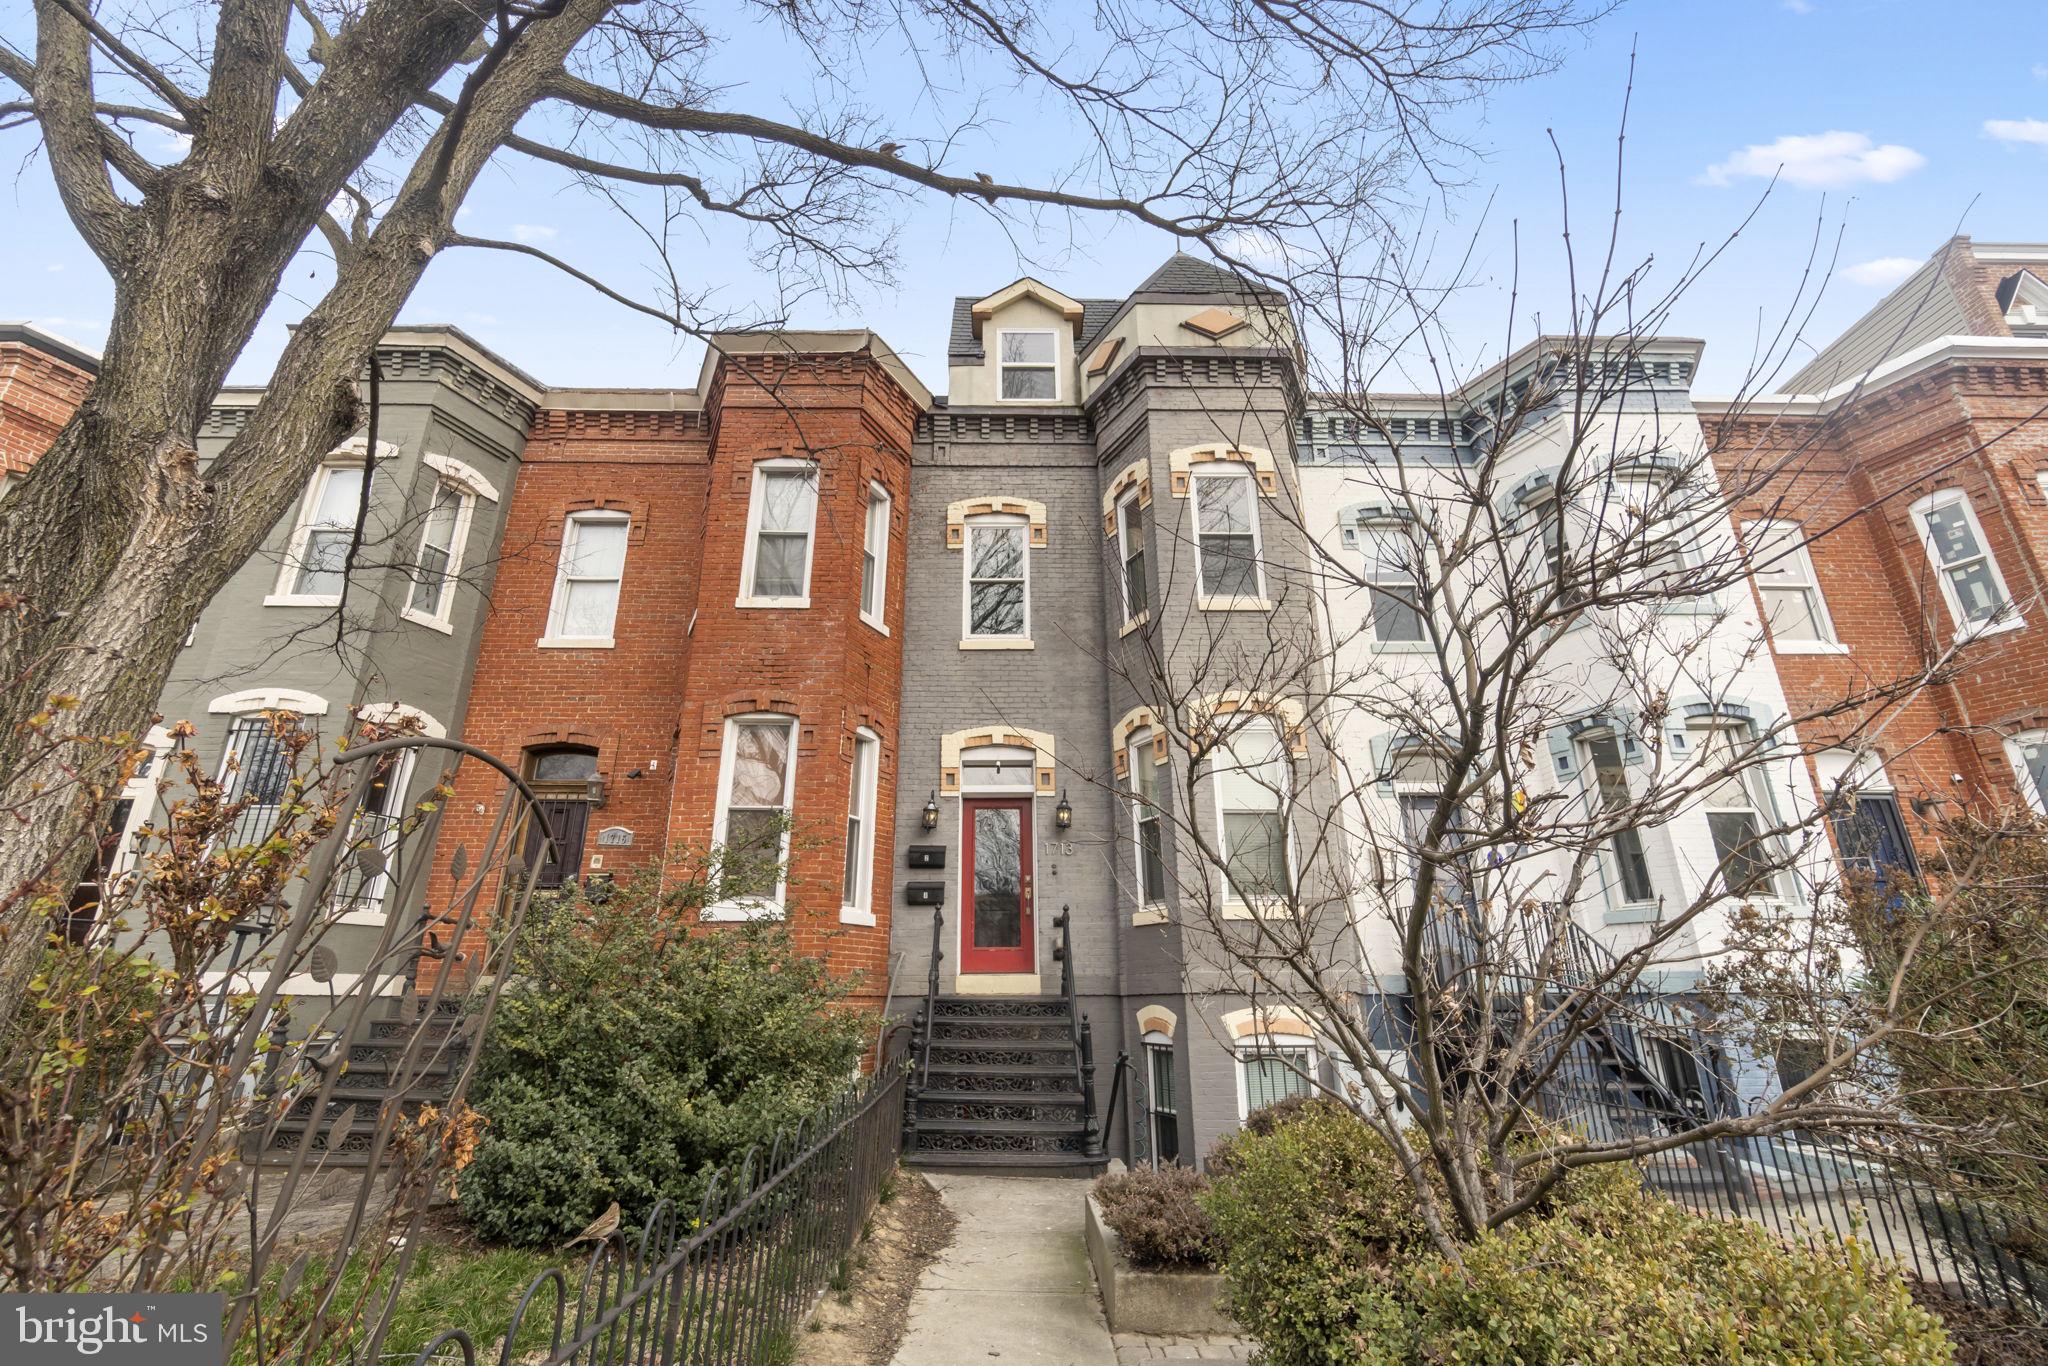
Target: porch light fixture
{"points": [[1063, 814], [931, 811]]}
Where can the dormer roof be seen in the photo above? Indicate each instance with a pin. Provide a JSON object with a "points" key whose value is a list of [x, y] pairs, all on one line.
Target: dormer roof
{"points": [[2023, 299], [981, 310]]}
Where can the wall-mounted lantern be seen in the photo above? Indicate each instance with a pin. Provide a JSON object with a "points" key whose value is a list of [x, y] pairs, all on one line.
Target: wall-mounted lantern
{"points": [[1063, 814], [931, 811]]}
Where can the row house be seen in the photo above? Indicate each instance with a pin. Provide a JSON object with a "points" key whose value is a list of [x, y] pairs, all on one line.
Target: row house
{"points": [[1028, 688]]}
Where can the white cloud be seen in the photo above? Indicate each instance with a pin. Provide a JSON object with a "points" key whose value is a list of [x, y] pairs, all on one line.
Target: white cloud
{"points": [[465, 211], [1818, 161], [2040, 70], [1799, 6], [533, 232], [55, 268], [2018, 130], [1885, 270]]}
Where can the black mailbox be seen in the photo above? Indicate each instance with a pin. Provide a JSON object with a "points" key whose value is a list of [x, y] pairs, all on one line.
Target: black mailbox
{"points": [[927, 855], [925, 893]]}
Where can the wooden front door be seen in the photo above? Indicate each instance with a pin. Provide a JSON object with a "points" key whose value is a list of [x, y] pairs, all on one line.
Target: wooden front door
{"points": [[996, 933], [566, 822]]}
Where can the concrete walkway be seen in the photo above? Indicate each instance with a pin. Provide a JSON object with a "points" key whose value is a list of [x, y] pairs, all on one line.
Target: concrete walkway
{"points": [[1014, 1286]]}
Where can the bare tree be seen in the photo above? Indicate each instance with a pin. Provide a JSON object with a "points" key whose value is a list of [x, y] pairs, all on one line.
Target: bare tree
{"points": [[1514, 683], [368, 121]]}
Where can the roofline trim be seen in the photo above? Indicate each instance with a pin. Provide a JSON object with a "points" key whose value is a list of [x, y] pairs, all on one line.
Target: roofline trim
{"points": [[1928, 356]]}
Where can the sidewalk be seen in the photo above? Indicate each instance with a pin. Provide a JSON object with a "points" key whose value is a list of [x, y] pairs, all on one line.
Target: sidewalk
{"points": [[1015, 1286]]}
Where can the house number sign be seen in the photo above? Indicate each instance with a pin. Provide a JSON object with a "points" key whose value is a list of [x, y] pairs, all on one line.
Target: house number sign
{"points": [[614, 835]]}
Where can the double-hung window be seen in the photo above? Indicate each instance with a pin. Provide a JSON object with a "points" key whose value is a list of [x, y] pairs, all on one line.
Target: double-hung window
{"points": [[2029, 754], [856, 903], [874, 559], [586, 603], [1270, 1071], [1160, 1104], [1608, 774], [1130, 539], [998, 580], [782, 516], [1252, 778], [1969, 577], [1146, 822], [756, 786], [440, 553], [1029, 366], [1227, 535], [1395, 586], [1783, 569], [327, 523], [1735, 814]]}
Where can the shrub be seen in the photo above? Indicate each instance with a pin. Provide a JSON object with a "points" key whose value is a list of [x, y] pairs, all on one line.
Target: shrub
{"points": [[1328, 1264], [630, 1057], [1631, 1277], [1159, 1217]]}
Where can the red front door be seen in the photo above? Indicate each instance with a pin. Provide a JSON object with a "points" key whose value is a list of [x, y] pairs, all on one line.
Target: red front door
{"points": [[995, 886]]}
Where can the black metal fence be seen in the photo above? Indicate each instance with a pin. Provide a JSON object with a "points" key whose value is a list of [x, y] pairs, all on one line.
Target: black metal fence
{"points": [[730, 1284]]}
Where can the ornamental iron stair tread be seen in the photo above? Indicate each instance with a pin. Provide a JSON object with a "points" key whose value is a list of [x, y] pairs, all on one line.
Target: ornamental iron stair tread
{"points": [[1038, 1164], [1000, 1069], [1052, 1127], [942, 1095]]}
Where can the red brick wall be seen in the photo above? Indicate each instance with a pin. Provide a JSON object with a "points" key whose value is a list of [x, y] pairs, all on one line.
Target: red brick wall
{"points": [[38, 392], [1974, 427], [685, 656]]}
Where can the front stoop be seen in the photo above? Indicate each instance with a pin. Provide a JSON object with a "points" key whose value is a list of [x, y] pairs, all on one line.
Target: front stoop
{"points": [[1001, 1092]]}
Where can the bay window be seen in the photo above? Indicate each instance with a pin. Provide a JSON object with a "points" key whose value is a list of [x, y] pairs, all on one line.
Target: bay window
{"points": [[874, 560], [1783, 569], [782, 515], [1251, 780], [319, 545], [856, 904], [1968, 575], [1147, 840], [440, 552], [757, 783], [1227, 535], [1130, 520]]}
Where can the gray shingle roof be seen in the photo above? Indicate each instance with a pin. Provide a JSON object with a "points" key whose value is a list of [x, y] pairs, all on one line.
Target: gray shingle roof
{"points": [[1185, 274], [965, 347], [1181, 274]]}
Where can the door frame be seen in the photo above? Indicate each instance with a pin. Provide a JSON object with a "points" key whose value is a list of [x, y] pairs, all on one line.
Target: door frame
{"points": [[974, 962]]}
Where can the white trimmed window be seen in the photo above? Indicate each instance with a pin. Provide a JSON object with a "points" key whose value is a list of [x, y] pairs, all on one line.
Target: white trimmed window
{"points": [[1271, 1069], [1793, 606], [998, 601], [2029, 754], [874, 559], [320, 540], [1147, 838], [856, 899], [756, 787], [1028, 366], [255, 772], [1227, 536], [1396, 588], [442, 534], [1969, 577], [1252, 778], [1628, 867], [782, 517], [586, 603], [1130, 540], [1736, 807]]}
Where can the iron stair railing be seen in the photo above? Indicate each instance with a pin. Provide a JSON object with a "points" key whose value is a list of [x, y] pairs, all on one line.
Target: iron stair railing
{"points": [[1084, 1053], [923, 1027]]}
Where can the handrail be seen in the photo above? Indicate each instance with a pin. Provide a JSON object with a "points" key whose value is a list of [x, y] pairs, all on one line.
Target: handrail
{"points": [[1116, 1088], [1084, 1038], [931, 999]]}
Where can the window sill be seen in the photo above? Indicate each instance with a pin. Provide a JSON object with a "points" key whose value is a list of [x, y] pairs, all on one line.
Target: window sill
{"points": [[1131, 624], [446, 628], [1209, 602], [1237, 910], [2011, 621], [772, 604], [737, 912], [1002, 643], [1810, 647], [1402, 647], [375, 915], [853, 915], [1631, 915], [575, 643], [1152, 913], [875, 622], [303, 600]]}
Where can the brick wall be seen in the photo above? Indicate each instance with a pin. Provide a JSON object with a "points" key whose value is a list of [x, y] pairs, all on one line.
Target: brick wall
{"points": [[1974, 427], [38, 391], [685, 656]]}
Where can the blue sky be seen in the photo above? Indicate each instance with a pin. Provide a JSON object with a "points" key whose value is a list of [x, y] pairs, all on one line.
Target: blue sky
{"points": [[1897, 128]]}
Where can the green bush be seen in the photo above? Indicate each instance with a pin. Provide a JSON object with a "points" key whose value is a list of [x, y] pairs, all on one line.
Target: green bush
{"points": [[1328, 1265], [1159, 1217], [630, 1057]]}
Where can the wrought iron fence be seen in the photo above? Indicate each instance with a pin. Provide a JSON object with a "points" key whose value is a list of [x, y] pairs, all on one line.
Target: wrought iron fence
{"points": [[730, 1284]]}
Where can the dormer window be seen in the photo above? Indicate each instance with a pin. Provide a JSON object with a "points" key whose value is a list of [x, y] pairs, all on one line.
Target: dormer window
{"points": [[1028, 364]]}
